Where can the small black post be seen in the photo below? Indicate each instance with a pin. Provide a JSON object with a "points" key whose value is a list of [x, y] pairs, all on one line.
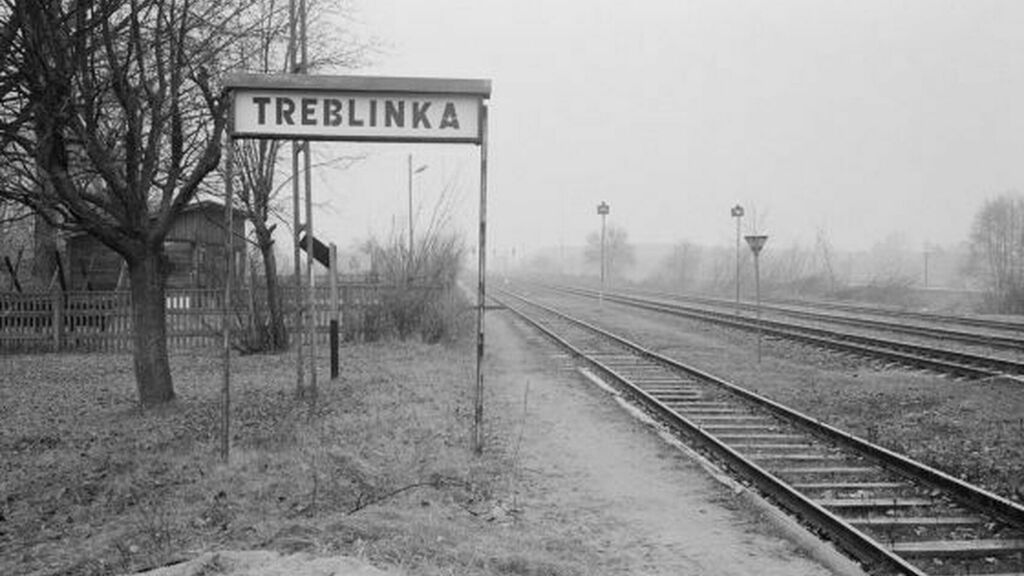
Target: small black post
{"points": [[332, 266], [334, 348]]}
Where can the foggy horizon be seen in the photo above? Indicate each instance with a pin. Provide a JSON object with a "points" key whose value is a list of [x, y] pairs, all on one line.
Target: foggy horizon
{"points": [[860, 121]]}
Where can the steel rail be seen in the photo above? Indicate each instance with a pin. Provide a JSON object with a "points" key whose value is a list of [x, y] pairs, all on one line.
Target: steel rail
{"points": [[992, 340], [938, 359], [988, 323], [855, 541], [926, 316]]}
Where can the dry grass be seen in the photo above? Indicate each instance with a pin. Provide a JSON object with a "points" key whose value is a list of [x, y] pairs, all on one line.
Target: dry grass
{"points": [[91, 485]]}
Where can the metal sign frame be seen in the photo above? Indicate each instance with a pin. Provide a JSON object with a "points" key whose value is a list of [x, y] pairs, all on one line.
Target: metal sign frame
{"points": [[344, 89], [377, 86]]}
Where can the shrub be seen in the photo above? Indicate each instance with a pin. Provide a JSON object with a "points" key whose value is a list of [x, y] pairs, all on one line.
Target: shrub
{"points": [[421, 296]]}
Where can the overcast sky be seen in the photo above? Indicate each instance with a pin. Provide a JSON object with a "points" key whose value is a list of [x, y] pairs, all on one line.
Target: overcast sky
{"points": [[858, 118]]}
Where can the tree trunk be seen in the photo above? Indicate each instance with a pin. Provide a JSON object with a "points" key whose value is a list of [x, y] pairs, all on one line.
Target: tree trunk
{"points": [[44, 252], [278, 336], [149, 321]]}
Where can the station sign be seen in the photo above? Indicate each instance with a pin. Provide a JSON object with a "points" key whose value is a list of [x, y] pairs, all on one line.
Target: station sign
{"points": [[355, 108]]}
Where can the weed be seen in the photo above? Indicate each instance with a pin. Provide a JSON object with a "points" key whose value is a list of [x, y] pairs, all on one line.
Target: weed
{"points": [[382, 471]]}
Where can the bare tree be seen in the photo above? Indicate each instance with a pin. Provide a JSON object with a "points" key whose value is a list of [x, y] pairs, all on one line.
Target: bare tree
{"points": [[997, 247], [721, 269], [788, 268], [260, 200], [428, 304], [618, 252], [109, 122], [267, 49], [826, 254], [14, 240], [678, 270], [889, 260]]}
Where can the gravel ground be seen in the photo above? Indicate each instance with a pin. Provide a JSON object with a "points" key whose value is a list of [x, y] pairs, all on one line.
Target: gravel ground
{"points": [[972, 430]]}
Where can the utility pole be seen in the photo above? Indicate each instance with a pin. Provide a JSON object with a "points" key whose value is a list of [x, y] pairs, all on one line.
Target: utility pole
{"points": [[408, 267], [602, 210], [307, 175], [737, 213], [297, 333], [298, 58]]}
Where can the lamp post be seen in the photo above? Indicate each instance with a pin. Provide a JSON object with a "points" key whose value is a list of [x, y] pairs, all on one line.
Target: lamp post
{"points": [[602, 210], [737, 213], [408, 266], [756, 243]]}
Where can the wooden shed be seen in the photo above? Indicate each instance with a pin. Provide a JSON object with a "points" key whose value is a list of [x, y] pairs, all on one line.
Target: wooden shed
{"points": [[194, 248]]}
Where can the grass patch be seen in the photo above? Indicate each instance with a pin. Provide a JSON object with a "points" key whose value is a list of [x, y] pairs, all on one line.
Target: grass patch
{"points": [[974, 431], [89, 484]]}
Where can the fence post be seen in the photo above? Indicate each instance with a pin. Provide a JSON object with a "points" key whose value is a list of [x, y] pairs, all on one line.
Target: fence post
{"points": [[57, 297]]}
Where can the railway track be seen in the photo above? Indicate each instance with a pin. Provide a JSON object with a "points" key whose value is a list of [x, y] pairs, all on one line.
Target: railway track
{"points": [[942, 360], [893, 514], [948, 319], [998, 334]]}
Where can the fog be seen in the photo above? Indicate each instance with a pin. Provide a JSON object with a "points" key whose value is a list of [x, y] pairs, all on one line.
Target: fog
{"points": [[862, 121]]}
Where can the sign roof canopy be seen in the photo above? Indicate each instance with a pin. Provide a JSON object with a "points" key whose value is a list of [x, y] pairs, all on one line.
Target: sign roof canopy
{"points": [[375, 84]]}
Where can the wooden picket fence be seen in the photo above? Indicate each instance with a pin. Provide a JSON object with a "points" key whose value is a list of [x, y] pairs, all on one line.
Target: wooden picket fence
{"points": [[101, 321]]}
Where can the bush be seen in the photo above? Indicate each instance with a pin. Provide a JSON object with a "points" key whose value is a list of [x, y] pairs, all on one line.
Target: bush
{"points": [[896, 292], [421, 297], [404, 309], [446, 318]]}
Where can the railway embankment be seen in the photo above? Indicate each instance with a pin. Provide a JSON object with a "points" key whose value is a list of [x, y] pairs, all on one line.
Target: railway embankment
{"points": [[970, 428], [896, 514]]}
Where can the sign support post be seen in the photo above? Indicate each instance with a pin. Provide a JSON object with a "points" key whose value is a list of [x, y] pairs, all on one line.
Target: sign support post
{"points": [[478, 396]]}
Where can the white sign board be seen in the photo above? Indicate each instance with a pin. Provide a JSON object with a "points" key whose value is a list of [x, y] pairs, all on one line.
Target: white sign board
{"points": [[325, 112]]}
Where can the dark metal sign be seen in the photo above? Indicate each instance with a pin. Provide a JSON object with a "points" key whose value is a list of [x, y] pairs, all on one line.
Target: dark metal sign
{"points": [[756, 242], [321, 252]]}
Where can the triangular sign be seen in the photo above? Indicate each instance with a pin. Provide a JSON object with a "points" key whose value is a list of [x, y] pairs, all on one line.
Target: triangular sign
{"points": [[756, 242]]}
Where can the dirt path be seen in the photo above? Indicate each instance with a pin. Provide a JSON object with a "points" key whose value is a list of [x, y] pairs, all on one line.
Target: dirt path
{"points": [[590, 466]]}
